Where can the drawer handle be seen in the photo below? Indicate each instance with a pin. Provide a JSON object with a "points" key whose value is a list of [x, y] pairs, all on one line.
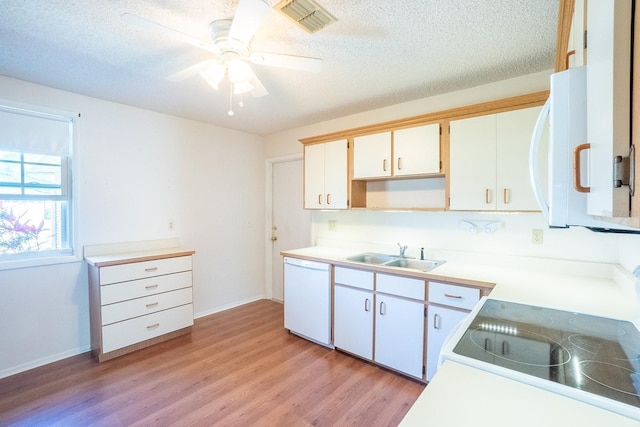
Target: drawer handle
{"points": [[153, 304], [155, 325], [453, 296], [149, 287], [150, 269]]}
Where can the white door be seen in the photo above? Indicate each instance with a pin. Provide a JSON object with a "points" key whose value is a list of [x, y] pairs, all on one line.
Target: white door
{"points": [[372, 155], [472, 163], [291, 224], [353, 321], [416, 150], [441, 321], [400, 334]]}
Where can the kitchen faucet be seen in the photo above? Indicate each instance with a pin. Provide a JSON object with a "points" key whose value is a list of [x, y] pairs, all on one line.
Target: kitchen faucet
{"points": [[402, 250]]}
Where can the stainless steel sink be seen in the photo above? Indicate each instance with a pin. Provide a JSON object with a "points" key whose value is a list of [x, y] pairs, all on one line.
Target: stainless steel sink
{"points": [[371, 258], [414, 264], [395, 261]]}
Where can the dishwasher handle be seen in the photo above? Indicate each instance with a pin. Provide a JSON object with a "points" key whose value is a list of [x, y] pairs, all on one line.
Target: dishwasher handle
{"points": [[310, 265]]}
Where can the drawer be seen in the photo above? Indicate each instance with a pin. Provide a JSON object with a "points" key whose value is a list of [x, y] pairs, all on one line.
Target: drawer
{"points": [[401, 286], [141, 306], [141, 270], [453, 295], [133, 331], [352, 277], [123, 291]]}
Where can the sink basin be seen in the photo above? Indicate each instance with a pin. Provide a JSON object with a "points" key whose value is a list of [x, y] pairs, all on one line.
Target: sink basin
{"points": [[414, 264], [371, 258]]}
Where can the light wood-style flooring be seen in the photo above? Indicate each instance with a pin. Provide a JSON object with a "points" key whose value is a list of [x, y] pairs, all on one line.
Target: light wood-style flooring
{"points": [[239, 367]]}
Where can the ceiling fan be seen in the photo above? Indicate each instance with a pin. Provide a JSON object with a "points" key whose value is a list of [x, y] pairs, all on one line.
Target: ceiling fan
{"points": [[230, 45]]}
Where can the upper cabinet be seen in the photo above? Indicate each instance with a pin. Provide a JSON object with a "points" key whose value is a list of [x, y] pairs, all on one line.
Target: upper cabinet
{"points": [[325, 175], [403, 152], [372, 156], [489, 157]]}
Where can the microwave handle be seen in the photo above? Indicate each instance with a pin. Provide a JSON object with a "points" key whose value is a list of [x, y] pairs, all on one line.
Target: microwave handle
{"points": [[534, 168]]}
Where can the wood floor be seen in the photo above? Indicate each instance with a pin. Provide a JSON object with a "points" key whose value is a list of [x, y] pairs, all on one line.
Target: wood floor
{"points": [[237, 368]]}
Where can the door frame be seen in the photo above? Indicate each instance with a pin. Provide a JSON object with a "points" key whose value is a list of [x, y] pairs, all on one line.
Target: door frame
{"points": [[268, 217]]}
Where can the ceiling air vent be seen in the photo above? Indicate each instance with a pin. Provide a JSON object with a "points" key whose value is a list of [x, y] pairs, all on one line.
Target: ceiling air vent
{"points": [[308, 14]]}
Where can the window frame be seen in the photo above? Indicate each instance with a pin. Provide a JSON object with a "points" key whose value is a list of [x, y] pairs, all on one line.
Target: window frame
{"points": [[71, 252]]}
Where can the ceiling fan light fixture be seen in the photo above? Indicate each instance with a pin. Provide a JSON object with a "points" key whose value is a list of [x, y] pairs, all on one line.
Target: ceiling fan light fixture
{"points": [[239, 71], [308, 14], [242, 87], [214, 75]]}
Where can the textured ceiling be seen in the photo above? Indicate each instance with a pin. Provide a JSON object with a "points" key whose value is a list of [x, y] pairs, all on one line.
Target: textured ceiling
{"points": [[378, 53]]}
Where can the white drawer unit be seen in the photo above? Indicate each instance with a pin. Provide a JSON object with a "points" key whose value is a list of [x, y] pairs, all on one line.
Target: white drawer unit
{"points": [[139, 299], [453, 295]]}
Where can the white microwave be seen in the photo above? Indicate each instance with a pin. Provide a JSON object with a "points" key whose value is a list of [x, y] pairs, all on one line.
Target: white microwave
{"points": [[564, 203]]}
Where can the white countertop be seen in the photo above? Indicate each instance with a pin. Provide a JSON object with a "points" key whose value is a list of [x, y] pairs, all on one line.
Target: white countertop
{"points": [[464, 396]]}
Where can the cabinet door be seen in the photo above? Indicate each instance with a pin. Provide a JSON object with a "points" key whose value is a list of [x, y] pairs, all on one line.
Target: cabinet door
{"points": [[314, 176], [513, 186], [416, 150], [440, 322], [372, 155], [473, 163], [335, 174], [400, 334], [353, 321]]}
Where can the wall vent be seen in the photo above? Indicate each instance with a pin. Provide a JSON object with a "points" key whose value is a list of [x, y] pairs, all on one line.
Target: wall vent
{"points": [[308, 14]]}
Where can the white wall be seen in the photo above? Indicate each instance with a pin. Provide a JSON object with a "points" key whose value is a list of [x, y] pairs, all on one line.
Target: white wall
{"points": [[441, 230], [136, 171]]}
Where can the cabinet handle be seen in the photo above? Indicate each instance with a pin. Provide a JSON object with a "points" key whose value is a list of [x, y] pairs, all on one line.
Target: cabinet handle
{"points": [[150, 269], [155, 325], [149, 287], [436, 324], [399, 166], [505, 194], [383, 305], [153, 304], [487, 196], [453, 296], [505, 348], [384, 165], [576, 168], [319, 199], [367, 304], [328, 199]]}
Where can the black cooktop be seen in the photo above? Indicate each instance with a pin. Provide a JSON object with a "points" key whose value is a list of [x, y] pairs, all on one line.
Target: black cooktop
{"points": [[588, 353]]}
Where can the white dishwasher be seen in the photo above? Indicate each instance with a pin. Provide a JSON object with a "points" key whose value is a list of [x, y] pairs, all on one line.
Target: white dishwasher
{"points": [[307, 299]]}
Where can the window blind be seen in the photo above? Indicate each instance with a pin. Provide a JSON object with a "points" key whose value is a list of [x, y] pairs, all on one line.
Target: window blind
{"points": [[28, 131]]}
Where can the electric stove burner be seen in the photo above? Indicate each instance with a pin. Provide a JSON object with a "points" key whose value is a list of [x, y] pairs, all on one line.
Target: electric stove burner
{"points": [[617, 378], [596, 326]]}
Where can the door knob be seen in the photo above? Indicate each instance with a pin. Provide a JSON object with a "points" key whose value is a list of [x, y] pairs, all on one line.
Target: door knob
{"points": [[274, 238]]}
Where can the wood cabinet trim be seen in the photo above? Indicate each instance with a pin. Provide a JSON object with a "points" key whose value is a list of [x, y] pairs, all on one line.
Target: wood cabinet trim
{"points": [[565, 16], [497, 106]]}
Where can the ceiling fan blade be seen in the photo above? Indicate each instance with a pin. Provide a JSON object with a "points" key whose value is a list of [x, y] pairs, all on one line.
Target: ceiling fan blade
{"points": [[287, 61], [249, 16], [258, 89], [141, 22], [190, 71]]}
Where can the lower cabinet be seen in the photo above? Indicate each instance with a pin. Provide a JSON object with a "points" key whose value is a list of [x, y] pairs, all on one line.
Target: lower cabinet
{"points": [[395, 321], [440, 322], [353, 321], [400, 334]]}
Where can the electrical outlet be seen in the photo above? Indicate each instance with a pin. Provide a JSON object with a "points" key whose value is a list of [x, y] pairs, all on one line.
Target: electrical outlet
{"points": [[333, 225], [171, 225], [536, 237]]}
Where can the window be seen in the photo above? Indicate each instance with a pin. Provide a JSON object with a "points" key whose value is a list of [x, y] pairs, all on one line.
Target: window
{"points": [[35, 184]]}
